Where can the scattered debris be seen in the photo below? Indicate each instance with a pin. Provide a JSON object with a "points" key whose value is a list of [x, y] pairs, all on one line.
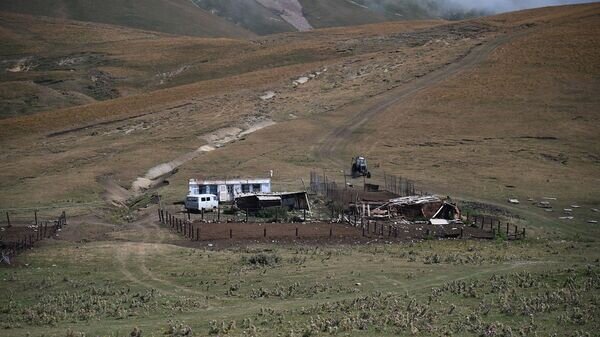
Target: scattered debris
{"points": [[300, 80], [592, 221], [566, 217], [544, 204], [22, 65], [268, 95], [304, 79], [513, 201], [166, 76]]}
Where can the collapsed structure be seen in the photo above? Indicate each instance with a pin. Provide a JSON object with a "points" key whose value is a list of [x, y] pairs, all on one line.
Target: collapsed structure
{"points": [[413, 208]]}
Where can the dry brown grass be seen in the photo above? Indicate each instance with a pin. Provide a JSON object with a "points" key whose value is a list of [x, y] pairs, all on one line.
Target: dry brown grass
{"points": [[460, 137]]}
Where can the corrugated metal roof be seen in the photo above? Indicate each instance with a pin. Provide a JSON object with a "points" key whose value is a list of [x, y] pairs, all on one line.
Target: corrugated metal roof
{"points": [[268, 197], [415, 200]]}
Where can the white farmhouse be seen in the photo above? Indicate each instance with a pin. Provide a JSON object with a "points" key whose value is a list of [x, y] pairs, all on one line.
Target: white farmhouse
{"points": [[227, 190]]}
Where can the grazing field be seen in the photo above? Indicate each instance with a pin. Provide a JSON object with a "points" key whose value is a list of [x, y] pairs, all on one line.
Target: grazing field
{"points": [[456, 287]]}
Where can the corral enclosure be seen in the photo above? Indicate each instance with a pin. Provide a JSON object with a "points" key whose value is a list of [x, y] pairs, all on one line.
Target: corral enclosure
{"points": [[108, 124]]}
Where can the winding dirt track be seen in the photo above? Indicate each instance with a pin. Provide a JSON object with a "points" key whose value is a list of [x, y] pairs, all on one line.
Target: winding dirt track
{"points": [[335, 142]]}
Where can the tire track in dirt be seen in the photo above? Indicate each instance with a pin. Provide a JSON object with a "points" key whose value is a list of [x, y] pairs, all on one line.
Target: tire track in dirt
{"points": [[138, 252], [336, 141]]}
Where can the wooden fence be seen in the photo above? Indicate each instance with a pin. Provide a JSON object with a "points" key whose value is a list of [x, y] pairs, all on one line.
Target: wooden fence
{"points": [[496, 227], [248, 229], [11, 244]]}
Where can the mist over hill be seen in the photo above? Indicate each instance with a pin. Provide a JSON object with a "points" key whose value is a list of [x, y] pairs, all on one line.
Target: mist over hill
{"points": [[498, 6], [276, 16], [244, 18]]}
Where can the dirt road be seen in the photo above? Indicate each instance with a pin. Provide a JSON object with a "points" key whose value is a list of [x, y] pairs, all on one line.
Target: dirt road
{"points": [[335, 142]]}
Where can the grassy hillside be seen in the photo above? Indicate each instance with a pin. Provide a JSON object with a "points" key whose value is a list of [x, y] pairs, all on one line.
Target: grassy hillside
{"points": [[52, 63], [511, 120], [180, 17]]}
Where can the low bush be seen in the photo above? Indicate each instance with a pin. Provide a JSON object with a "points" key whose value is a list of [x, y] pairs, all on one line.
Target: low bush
{"points": [[262, 260]]}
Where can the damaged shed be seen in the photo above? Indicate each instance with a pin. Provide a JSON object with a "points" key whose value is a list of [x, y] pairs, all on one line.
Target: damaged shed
{"points": [[415, 208]]}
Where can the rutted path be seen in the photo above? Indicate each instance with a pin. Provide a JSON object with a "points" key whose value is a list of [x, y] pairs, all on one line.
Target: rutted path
{"points": [[132, 257], [336, 141]]}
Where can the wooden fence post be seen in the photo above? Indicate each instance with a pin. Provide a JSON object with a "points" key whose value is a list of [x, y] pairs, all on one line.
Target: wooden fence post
{"points": [[219, 213], [461, 232], [159, 217], [230, 233], [246, 215], [523, 233], [516, 232], [198, 234], [35, 215], [330, 232], [296, 231], [8, 219], [304, 215], [265, 233]]}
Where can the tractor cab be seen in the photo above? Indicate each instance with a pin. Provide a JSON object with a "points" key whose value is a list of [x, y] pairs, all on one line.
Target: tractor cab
{"points": [[360, 168]]}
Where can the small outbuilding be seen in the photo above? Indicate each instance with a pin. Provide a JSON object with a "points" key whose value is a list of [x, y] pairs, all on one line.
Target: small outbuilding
{"points": [[289, 200]]}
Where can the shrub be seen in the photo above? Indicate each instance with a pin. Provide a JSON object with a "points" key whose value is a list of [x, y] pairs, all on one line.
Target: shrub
{"points": [[262, 260]]}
